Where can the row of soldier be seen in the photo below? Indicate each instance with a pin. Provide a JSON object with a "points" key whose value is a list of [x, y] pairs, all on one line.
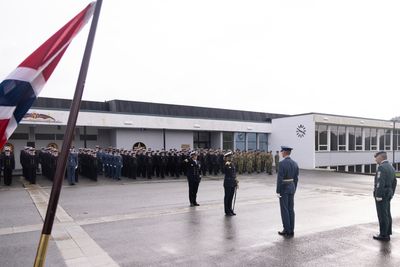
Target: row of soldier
{"points": [[139, 162]]}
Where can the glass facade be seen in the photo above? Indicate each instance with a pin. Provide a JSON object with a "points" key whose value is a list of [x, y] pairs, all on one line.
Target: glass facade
{"points": [[240, 141], [227, 140], [251, 141], [263, 141], [350, 138]]}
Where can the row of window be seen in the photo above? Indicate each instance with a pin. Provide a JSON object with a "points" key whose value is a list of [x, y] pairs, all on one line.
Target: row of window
{"points": [[359, 168], [251, 141], [349, 138], [46, 136]]}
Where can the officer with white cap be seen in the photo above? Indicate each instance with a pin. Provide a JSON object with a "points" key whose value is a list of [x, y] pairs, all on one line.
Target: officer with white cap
{"points": [[193, 177], [230, 183]]}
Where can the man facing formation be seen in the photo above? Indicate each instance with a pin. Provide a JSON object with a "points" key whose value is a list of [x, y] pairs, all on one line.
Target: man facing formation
{"points": [[384, 188], [72, 164], [193, 176], [230, 184], [286, 185]]}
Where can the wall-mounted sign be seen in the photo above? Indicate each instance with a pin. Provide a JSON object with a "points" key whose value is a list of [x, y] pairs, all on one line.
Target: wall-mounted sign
{"points": [[39, 117]]}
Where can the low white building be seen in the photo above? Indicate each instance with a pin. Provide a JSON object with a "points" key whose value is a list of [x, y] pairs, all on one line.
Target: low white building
{"points": [[336, 142], [319, 140]]}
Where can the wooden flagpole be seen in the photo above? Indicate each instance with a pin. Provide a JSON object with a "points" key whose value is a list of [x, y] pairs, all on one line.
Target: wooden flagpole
{"points": [[69, 133]]}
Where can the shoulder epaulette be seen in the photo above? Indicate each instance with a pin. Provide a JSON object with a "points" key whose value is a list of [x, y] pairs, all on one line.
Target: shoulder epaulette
{"points": [[228, 163]]}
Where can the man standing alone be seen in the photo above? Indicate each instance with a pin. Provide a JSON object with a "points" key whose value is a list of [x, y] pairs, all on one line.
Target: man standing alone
{"points": [[193, 176], [384, 188], [286, 185]]}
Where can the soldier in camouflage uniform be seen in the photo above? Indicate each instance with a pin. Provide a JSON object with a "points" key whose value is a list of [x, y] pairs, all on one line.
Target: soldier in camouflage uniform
{"points": [[269, 163], [258, 162]]}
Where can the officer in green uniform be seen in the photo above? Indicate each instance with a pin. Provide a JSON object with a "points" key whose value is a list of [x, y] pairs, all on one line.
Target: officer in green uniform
{"points": [[258, 162], [249, 161], [384, 188], [240, 162]]}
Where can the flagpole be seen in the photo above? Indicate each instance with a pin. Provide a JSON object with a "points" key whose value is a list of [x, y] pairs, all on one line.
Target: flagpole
{"points": [[69, 133]]}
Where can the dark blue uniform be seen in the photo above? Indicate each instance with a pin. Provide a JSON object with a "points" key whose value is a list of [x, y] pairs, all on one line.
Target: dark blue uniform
{"points": [[288, 176], [193, 176], [230, 184]]}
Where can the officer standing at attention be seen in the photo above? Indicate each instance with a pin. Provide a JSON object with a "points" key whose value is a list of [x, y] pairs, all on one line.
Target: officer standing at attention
{"points": [[230, 183], [8, 163], [72, 164], [384, 188], [193, 176], [288, 176]]}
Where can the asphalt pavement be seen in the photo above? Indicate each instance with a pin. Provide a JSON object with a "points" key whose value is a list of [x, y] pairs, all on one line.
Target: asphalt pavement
{"points": [[149, 223]]}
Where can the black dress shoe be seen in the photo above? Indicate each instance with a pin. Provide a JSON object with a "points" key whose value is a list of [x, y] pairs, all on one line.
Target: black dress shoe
{"points": [[283, 233], [228, 214], [381, 238], [291, 234], [234, 214], [196, 204], [191, 205]]}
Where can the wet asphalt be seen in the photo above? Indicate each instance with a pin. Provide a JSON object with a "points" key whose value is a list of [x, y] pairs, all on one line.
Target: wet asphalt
{"points": [[149, 223]]}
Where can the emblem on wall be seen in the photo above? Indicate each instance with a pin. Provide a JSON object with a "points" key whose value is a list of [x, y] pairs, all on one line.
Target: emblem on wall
{"points": [[33, 116], [301, 131]]}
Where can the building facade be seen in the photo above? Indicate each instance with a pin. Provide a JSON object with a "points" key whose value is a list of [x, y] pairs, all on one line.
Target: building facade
{"points": [[319, 140]]}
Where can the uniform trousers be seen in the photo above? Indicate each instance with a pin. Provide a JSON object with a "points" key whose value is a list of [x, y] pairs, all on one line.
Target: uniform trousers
{"points": [[286, 202], [193, 187]]}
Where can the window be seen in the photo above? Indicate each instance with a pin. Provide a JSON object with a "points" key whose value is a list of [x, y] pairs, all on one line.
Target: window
{"points": [[89, 137], [381, 136], [251, 141], [20, 136], [333, 168], [358, 136], [334, 138], [367, 139], [201, 139], [342, 168], [373, 168], [240, 141], [227, 139], [374, 139], [45, 136], [367, 168], [342, 138], [351, 168], [263, 141], [396, 139], [352, 138], [388, 140], [359, 168], [322, 134]]}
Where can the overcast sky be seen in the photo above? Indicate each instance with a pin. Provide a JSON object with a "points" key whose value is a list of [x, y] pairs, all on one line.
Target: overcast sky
{"points": [[288, 56]]}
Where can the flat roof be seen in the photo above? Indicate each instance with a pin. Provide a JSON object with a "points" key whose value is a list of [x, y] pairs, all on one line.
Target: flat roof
{"points": [[158, 109], [341, 116]]}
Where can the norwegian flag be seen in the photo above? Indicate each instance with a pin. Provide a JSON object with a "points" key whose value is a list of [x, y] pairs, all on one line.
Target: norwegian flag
{"points": [[20, 89]]}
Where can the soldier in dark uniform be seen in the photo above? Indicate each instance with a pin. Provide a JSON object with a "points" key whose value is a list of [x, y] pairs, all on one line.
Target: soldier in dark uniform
{"points": [[384, 189], [163, 164], [203, 164], [193, 177], [31, 164], [8, 164], [230, 183], [286, 185]]}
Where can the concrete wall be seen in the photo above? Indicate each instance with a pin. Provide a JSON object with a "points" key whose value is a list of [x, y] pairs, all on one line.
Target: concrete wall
{"points": [[126, 138], [175, 139], [334, 158], [118, 120], [285, 133]]}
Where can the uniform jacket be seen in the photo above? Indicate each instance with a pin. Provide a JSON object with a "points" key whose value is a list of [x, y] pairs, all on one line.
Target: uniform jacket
{"points": [[230, 174], [193, 171], [385, 181], [288, 169], [72, 159]]}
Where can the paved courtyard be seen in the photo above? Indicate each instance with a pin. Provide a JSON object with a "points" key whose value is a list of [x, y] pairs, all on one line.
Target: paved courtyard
{"points": [[149, 223]]}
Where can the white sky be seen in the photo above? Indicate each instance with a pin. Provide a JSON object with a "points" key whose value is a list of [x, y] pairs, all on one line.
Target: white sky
{"points": [[288, 56]]}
